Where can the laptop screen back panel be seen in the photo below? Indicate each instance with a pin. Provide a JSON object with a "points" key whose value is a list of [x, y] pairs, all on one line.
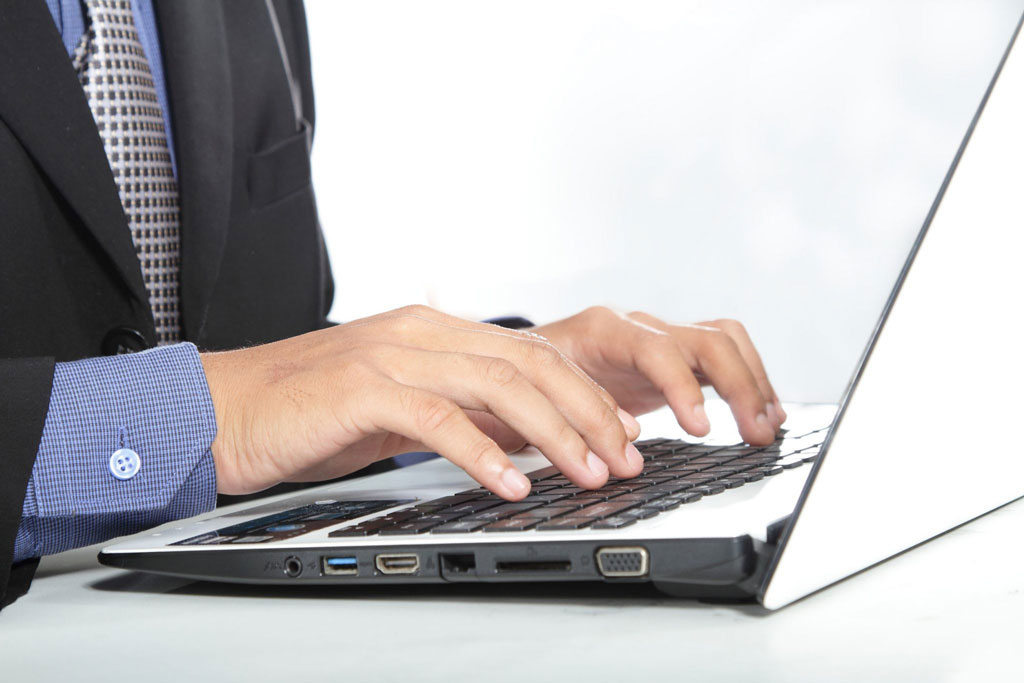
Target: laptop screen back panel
{"points": [[929, 436]]}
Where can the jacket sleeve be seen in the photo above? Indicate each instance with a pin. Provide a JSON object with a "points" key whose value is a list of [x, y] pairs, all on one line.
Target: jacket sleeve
{"points": [[24, 399], [125, 445]]}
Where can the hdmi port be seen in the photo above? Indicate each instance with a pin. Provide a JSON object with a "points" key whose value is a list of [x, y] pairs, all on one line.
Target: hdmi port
{"points": [[398, 563]]}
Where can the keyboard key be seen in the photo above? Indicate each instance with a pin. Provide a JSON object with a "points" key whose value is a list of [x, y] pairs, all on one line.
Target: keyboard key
{"points": [[666, 466], [545, 498], [545, 473], [428, 508], [651, 481], [704, 463], [410, 528], [662, 504], [511, 524], [628, 486], [632, 498], [543, 513], [486, 516], [475, 506], [570, 503], [708, 489], [439, 517], [688, 497], [598, 496], [656, 452], [721, 472], [458, 527], [666, 489], [649, 442], [761, 459], [613, 523], [354, 531], [604, 509], [447, 501], [731, 483], [697, 479], [509, 509], [564, 523]]}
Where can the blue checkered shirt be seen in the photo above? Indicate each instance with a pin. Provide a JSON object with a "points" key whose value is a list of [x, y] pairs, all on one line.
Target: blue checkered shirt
{"points": [[156, 403]]}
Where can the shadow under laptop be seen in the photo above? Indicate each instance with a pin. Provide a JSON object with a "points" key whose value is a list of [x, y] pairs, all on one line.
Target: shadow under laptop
{"points": [[576, 594]]}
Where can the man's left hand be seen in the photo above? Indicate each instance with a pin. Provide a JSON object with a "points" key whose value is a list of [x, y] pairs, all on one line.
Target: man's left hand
{"points": [[645, 363]]}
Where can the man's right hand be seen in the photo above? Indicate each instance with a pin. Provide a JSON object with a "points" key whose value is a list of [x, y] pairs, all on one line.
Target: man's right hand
{"points": [[323, 404]]}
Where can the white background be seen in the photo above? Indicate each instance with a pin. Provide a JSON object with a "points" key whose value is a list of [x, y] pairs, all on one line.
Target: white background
{"points": [[767, 161]]}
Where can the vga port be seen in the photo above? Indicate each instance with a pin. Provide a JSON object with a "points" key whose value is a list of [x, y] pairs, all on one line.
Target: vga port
{"points": [[618, 562]]}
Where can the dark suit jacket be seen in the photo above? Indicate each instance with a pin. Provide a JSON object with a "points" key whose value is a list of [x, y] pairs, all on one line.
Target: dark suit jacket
{"points": [[254, 268]]}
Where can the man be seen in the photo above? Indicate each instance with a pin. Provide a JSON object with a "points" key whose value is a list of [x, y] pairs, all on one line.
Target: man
{"points": [[155, 199]]}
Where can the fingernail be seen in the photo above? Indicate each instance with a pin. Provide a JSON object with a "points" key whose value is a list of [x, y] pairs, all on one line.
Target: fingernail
{"points": [[633, 458], [773, 415], [596, 465], [700, 416], [782, 412], [629, 422], [764, 424], [515, 482]]}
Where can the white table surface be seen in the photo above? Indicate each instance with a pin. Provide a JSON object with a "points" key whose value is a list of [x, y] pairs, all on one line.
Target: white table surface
{"points": [[949, 610]]}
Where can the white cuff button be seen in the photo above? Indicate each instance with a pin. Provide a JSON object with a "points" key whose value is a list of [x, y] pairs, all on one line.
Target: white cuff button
{"points": [[125, 463]]}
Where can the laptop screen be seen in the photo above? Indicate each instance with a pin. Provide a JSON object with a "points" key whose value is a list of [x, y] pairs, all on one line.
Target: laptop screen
{"points": [[927, 437]]}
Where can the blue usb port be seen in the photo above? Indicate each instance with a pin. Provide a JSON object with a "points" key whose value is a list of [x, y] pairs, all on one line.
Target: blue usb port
{"points": [[340, 566]]}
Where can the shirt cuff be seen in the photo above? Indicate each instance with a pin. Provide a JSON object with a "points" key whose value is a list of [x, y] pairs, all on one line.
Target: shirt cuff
{"points": [[155, 403]]}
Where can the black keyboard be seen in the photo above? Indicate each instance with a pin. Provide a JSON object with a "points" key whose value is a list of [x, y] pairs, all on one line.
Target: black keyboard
{"points": [[675, 473]]}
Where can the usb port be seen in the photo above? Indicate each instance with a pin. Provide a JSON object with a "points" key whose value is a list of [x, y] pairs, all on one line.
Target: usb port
{"points": [[340, 566], [398, 563]]}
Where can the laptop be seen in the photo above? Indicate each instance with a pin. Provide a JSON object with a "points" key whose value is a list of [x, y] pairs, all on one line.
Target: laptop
{"points": [[925, 438]]}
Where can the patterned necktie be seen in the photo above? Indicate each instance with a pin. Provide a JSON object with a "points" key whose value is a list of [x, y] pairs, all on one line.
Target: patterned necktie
{"points": [[113, 69]]}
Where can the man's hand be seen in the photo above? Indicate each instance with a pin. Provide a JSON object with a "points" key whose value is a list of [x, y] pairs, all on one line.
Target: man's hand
{"points": [[645, 363], [330, 402]]}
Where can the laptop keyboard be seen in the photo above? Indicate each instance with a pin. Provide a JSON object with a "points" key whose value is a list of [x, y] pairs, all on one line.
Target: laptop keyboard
{"points": [[675, 473]]}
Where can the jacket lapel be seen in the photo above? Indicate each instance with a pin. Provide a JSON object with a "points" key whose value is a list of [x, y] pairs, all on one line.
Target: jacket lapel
{"points": [[44, 105], [194, 47]]}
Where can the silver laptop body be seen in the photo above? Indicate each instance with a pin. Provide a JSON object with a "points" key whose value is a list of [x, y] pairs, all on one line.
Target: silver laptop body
{"points": [[925, 439]]}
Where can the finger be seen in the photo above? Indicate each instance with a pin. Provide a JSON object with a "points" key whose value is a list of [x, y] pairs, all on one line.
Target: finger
{"points": [[496, 385], [507, 438], [718, 358], [658, 356], [444, 427], [591, 412], [739, 334]]}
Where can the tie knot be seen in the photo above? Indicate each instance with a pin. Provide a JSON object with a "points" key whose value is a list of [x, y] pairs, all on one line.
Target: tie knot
{"points": [[109, 12]]}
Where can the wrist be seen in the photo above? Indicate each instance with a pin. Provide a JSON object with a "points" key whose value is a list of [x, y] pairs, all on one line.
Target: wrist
{"points": [[216, 378]]}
